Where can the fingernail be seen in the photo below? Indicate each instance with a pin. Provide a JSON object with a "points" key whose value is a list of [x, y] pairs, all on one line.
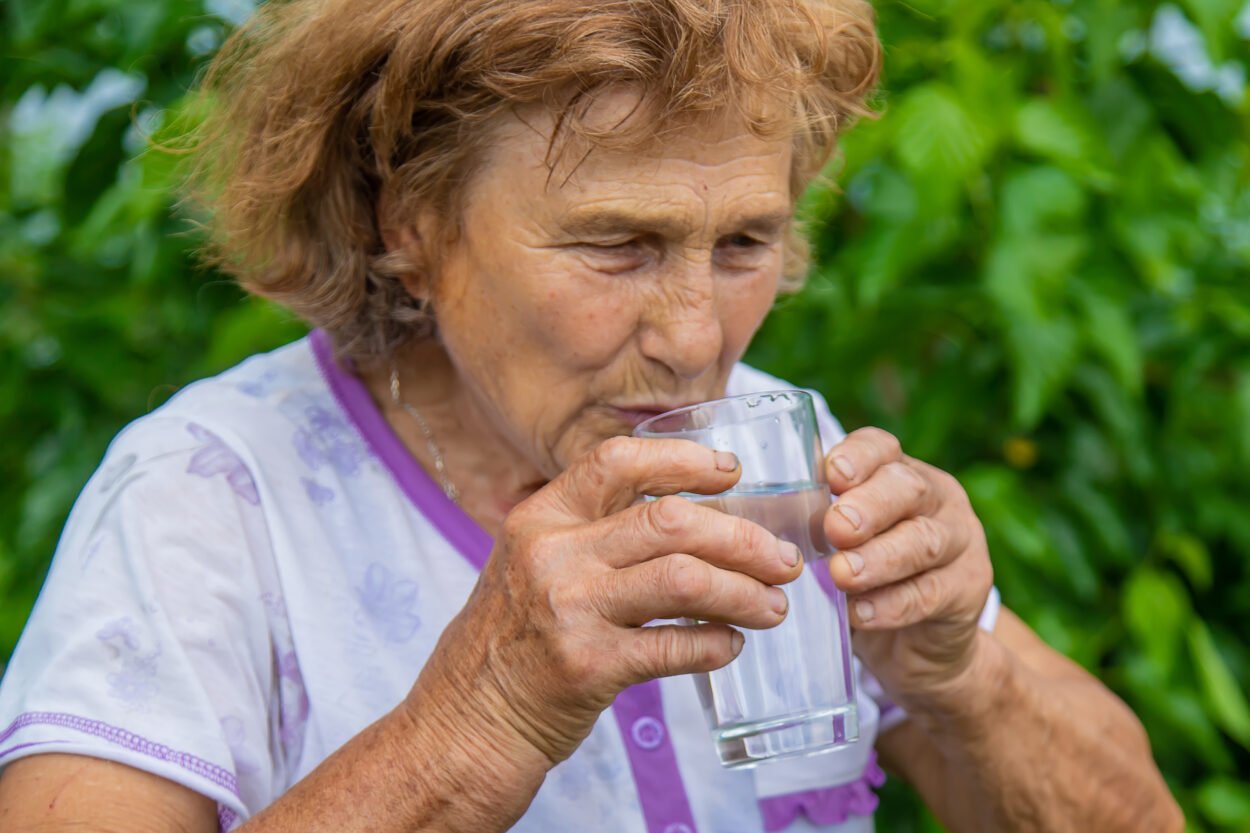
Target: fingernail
{"points": [[780, 603], [854, 561], [735, 642], [726, 460], [789, 553], [849, 513], [864, 610], [845, 466]]}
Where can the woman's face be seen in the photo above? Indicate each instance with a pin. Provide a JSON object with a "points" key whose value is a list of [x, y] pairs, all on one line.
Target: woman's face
{"points": [[572, 309]]}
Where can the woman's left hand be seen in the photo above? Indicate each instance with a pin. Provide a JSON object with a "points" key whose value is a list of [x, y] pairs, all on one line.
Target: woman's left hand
{"points": [[913, 562]]}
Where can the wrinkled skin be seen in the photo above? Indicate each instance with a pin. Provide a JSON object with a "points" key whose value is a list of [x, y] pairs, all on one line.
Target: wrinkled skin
{"points": [[566, 314], [570, 308]]}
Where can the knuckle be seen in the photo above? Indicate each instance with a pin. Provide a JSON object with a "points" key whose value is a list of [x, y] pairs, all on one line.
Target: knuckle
{"points": [[906, 479], [886, 442], [567, 604], [928, 594], [669, 514], [950, 485], [515, 525], [526, 546], [685, 578], [615, 450], [930, 537], [750, 538]]}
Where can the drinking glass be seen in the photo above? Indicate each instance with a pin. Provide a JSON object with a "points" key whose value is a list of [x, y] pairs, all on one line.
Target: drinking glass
{"points": [[790, 693]]}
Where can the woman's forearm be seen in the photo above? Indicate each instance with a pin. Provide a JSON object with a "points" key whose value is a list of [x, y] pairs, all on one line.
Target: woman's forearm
{"points": [[1023, 744], [435, 763]]}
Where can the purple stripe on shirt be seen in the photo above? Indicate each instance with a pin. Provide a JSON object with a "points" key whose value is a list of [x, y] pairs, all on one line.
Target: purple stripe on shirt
{"points": [[128, 740], [660, 788], [353, 397], [640, 714]]}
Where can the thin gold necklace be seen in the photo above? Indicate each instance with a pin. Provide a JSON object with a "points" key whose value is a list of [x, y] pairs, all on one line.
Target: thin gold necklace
{"points": [[449, 488]]}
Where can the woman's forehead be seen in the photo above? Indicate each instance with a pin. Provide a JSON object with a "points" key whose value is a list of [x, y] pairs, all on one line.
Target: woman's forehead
{"points": [[714, 149], [717, 173]]}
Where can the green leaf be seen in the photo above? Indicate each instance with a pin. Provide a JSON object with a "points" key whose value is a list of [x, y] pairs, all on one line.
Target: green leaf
{"points": [[934, 135], [1051, 131], [1156, 611], [1190, 554], [1224, 696], [1226, 802], [1039, 197], [1111, 334]]}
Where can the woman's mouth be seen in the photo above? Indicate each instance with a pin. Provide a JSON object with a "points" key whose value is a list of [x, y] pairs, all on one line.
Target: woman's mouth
{"points": [[635, 416]]}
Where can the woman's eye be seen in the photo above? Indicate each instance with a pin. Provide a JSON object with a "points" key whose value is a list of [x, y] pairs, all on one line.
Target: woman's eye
{"points": [[743, 241], [614, 248]]}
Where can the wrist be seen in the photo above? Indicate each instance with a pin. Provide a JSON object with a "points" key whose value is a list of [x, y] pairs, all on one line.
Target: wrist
{"points": [[974, 700], [464, 753]]}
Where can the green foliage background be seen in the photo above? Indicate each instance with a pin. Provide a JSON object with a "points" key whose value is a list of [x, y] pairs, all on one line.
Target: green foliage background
{"points": [[1037, 274]]}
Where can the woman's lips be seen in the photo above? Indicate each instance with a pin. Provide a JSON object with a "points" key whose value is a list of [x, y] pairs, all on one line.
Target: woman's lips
{"points": [[633, 417]]}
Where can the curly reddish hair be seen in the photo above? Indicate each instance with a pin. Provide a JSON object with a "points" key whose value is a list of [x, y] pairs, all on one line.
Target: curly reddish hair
{"points": [[321, 110]]}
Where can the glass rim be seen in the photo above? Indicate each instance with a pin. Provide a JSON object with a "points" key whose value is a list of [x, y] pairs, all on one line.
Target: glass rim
{"points": [[803, 398]]}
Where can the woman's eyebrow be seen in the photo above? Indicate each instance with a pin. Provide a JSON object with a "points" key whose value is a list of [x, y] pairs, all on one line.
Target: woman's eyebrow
{"points": [[601, 220], [605, 220]]}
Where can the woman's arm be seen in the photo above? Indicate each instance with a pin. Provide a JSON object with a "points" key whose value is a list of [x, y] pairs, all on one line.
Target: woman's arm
{"points": [[551, 633], [1006, 735], [1030, 742], [412, 770], [50, 792]]}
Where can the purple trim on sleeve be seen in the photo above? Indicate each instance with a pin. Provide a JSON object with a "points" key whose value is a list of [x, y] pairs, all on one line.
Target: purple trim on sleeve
{"points": [[128, 740], [13, 749], [831, 805], [353, 397], [226, 818], [640, 714]]}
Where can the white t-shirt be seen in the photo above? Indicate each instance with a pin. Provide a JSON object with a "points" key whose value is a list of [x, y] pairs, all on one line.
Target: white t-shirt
{"points": [[258, 570]]}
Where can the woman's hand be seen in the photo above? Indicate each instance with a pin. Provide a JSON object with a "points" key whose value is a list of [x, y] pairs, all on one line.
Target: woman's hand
{"points": [[552, 631], [913, 563]]}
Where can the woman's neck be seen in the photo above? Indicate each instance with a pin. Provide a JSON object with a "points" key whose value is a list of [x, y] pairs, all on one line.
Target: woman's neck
{"points": [[490, 475]]}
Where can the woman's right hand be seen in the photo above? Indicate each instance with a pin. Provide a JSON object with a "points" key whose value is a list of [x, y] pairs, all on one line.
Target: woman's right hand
{"points": [[552, 632]]}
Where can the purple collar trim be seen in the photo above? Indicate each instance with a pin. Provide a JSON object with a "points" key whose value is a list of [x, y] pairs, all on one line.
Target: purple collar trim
{"points": [[353, 397], [638, 709]]}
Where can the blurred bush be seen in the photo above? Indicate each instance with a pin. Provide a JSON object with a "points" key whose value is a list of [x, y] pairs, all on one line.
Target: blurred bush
{"points": [[1037, 274]]}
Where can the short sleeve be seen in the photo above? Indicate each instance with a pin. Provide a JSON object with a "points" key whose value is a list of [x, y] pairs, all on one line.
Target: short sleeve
{"points": [[150, 643]]}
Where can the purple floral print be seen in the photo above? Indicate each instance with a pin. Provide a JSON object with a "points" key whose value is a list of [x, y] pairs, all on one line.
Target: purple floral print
{"points": [[318, 494], [134, 683], [293, 699], [326, 439], [262, 385], [388, 602], [215, 458]]}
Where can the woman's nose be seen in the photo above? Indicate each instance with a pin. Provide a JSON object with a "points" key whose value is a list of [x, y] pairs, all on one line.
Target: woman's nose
{"points": [[682, 328]]}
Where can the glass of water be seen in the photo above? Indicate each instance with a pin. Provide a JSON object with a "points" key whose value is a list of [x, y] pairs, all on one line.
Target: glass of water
{"points": [[790, 693]]}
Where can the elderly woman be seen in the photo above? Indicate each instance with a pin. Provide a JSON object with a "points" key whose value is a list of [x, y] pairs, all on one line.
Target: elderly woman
{"points": [[394, 577]]}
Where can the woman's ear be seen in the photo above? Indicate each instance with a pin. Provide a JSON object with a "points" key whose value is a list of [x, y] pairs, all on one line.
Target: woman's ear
{"points": [[409, 242]]}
